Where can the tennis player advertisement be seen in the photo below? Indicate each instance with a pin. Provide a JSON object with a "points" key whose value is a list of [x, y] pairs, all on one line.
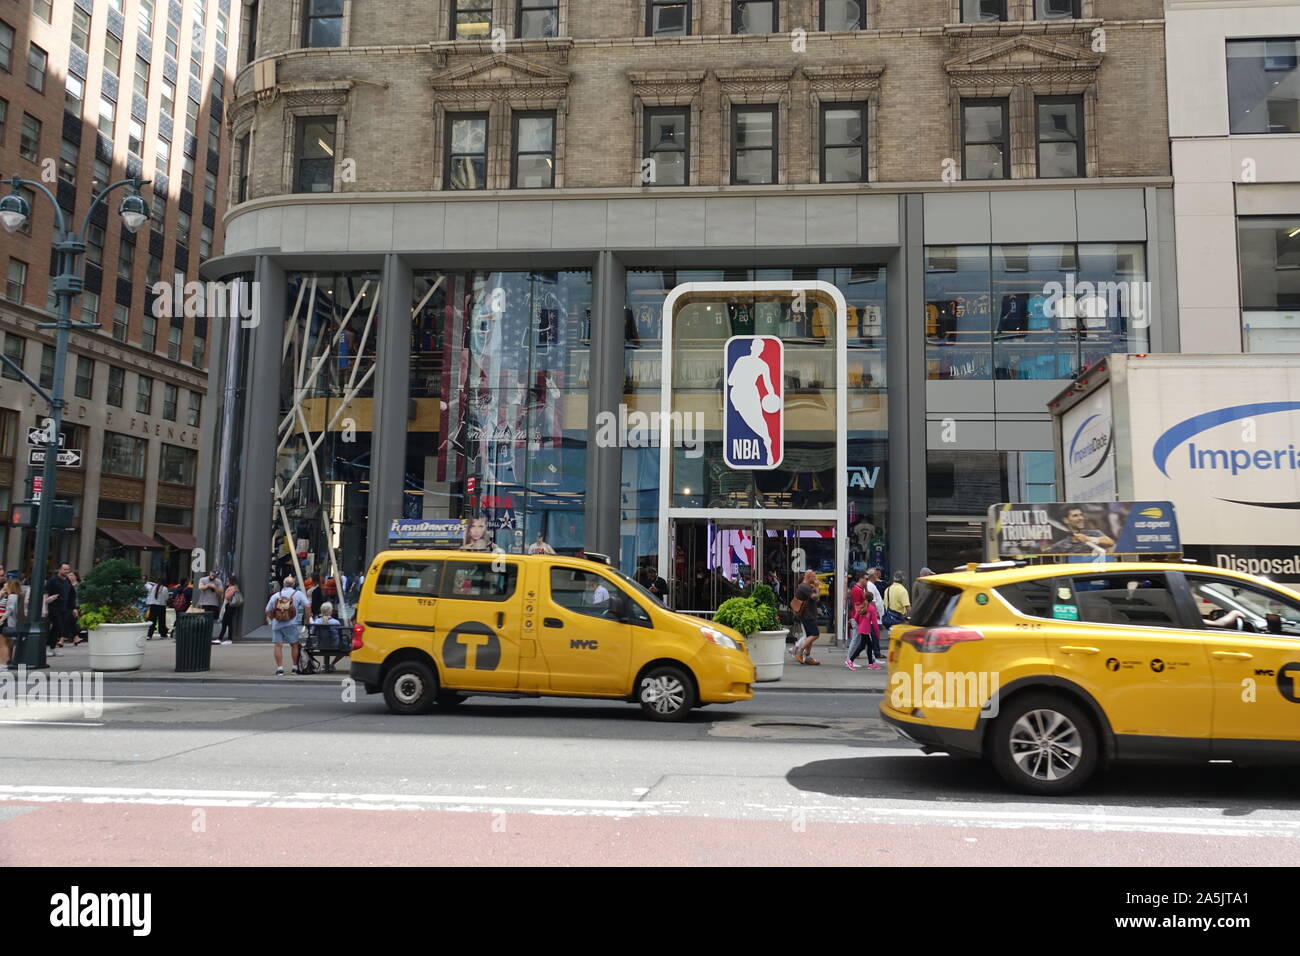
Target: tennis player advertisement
{"points": [[1088, 531]]}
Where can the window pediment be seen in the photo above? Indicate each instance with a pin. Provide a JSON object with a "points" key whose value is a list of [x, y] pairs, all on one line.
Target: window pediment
{"points": [[502, 72], [665, 85], [1019, 58], [753, 81], [843, 79]]}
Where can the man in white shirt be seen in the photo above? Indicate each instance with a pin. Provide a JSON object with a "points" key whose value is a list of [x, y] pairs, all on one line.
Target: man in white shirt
{"points": [[873, 589], [284, 614], [156, 594]]}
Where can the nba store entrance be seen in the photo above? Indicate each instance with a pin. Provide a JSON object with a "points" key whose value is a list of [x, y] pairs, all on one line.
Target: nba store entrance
{"points": [[753, 444]]}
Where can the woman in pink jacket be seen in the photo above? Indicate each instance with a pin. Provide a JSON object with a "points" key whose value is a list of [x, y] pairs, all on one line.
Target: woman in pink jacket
{"points": [[866, 622]]}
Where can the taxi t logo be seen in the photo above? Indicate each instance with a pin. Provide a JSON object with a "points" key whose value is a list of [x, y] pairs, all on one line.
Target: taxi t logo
{"points": [[471, 645]]}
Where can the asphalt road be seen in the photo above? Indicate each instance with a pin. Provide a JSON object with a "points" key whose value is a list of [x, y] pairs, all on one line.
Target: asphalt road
{"points": [[284, 773]]}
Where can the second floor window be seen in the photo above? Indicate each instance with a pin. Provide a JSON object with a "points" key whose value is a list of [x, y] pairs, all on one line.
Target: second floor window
{"points": [[668, 18], [754, 16], [471, 19], [983, 11], [843, 15], [539, 18], [322, 23], [466, 163], [844, 143], [753, 145], [986, 149], [1060, 136], [315, 173], [85, 380], [169, 402], [666, 145], [123, 455], [534, 152], [144, 395], [116, 379], [196, 404]]}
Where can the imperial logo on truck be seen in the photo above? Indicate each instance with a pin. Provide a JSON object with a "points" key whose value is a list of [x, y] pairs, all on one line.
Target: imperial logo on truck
{"points": [[1217, 435]]}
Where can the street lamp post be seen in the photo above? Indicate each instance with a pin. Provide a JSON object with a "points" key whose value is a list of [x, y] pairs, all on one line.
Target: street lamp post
{"points": [[67, 284]]}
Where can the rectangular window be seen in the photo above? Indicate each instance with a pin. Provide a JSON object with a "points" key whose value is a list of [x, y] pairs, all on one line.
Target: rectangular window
{"points": [[90, 307], [74, 94], [121, 317], [844, 143], [145, 14], [182, 227], [98, 180], [16, 352], [125, 260], [168, 97], [1060, 137], [149, 334], [44, 9], [223, 29], [322, 23], [983, 11], [196, 64], [1138, 599], [1264, 85], [69, 153], [29, 144], [754, 16], [409, 578], [36, 63], [176, 465], [144, 395], [1057, 9], [210, 189], [116, 379], [192, 117], [80, 28], [124, 455], [241, 183], [844, 15], [466, 151], [250, 24], [153, 271], [667, 146], [107, 117], [174, 344], [985, 139], [538, 18], [668, 18], [196, 404], [753, 145], [16, 282], [169, 402], [112, 54], [164, 514], [95, 245], [4, 116], [187, 173], [205, 243], [118, 510], [142, 76], [6, 47], [84, 382], [199, 352], [47, 366], [214, 138], [471, 19], [315, 172], [172, 41], [162, 156], [135, 137], [1269, 253], [534, 151], [476, 581]]}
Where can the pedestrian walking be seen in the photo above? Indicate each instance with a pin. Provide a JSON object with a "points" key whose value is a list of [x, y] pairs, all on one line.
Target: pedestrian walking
{"points": [[897, 602], [804, 606], [59, 609], [11, 623], [284, 613], [156, 594], [232, 601], [80, 634], [208, 596], [866, 627]]}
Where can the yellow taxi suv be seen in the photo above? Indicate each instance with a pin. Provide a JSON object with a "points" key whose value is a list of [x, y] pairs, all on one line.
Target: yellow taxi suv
{"points": [[434, 627], [1053, 671]]}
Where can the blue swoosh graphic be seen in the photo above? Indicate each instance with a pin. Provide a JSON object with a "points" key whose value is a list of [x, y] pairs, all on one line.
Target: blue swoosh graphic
{"points": [[1193, 426], [1075, 440]]}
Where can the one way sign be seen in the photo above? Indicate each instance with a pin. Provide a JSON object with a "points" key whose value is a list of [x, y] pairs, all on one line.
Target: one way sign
{"points": [[70, 458], [40, 437]]}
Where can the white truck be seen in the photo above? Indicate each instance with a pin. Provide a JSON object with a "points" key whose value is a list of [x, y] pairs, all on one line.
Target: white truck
{"points": [[1217, 435]]}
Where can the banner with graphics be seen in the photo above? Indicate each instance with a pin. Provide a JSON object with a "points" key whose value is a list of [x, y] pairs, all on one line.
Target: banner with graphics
{"points": [[1084, 531], [753, 428], [426, 532]]}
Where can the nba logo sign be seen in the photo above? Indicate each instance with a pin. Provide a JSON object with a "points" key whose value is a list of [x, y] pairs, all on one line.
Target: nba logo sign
{"points": [[753, 424]]}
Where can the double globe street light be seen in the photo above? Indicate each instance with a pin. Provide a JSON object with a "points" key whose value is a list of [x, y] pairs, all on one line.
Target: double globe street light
{"points": [[66, 284]]}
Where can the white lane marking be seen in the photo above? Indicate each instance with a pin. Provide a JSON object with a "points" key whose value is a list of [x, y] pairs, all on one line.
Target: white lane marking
{"points": [[122, 697], [51, 723]]}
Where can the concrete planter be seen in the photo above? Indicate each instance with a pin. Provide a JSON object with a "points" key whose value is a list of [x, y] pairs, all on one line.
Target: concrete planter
{"points": [[117, 647], [767, 651]]}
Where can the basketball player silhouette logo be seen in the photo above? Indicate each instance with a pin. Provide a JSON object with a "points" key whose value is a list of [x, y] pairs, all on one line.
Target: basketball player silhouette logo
{"points": [[753, 426]]}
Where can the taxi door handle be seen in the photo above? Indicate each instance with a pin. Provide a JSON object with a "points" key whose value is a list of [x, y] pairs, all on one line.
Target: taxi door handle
{"points": [[501, 618], [1074, 649], [553, 622], [1231, 655]]}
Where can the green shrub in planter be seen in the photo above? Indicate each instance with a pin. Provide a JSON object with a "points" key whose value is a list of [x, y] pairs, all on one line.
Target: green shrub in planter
{"points": [[763, 594], [746, 615], [109, 594]]}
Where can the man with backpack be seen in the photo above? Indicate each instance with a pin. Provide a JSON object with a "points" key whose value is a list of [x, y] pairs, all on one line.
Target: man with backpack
{"points": [[284, 614], [155, 599]]}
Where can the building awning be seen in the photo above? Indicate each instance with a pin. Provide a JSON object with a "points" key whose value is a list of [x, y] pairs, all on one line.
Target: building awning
{"points": [[129, 537], [179, 539]]}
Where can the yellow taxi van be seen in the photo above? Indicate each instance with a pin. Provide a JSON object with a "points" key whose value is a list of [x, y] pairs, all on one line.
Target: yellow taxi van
{"points": [[433, 627], [1052, 671]]}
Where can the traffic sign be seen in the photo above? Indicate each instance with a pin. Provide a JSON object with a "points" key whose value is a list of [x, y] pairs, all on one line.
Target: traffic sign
{"points": [[37, 436], [68, 458], [38, 483]]}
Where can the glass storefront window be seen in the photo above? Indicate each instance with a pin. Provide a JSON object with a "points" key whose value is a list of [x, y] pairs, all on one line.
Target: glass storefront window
{"points": [[1047, 309], [176, 464], [500, 365], [123, 455], [1264, 85], [1269, 251]]}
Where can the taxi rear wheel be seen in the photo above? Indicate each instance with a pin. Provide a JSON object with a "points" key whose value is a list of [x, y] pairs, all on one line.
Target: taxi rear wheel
{"points": [[410, 688], [1045, 744], [666, 693]]}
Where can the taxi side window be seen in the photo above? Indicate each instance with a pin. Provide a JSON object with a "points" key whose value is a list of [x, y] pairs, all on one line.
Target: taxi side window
{"points": [[1041, 598], [476, 581], [1141, 599], [409, 578], [1245, 607], [581, 592]]}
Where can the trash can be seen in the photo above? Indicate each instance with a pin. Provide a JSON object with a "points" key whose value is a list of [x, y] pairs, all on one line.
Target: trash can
{"points": [[193, 634]]}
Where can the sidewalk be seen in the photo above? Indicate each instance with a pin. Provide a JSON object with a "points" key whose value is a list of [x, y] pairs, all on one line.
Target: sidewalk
{"points": [[252, 661]]}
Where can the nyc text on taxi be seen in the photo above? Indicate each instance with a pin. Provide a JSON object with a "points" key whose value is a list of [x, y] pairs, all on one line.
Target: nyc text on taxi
{"points": [[1051, 671], [436, 626]]}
